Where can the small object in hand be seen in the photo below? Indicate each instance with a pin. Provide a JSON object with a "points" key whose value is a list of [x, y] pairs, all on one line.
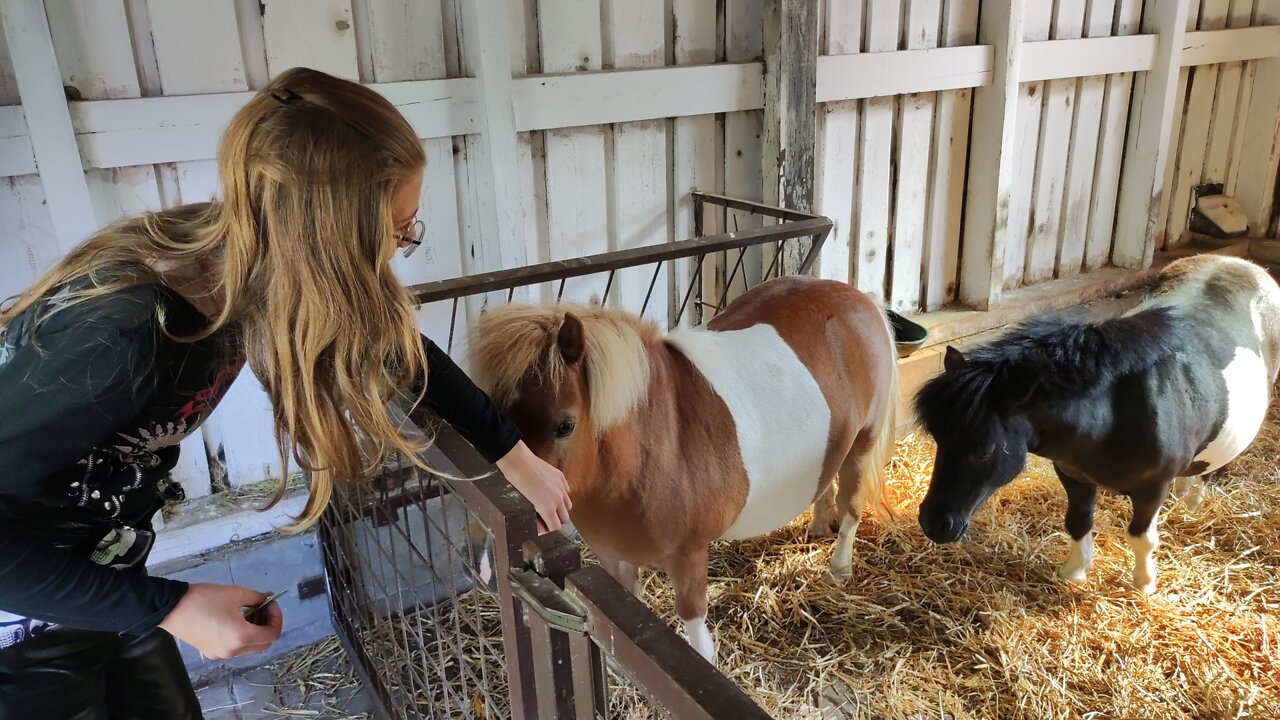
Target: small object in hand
{"points": [[255, 615]]}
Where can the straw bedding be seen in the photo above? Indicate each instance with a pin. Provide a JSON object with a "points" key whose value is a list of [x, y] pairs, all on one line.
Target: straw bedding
{"points": [[984, 629]]}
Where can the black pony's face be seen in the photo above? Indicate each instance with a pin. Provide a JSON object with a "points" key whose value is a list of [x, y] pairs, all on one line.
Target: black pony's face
{"points": [[967, 471], [982, 443]]}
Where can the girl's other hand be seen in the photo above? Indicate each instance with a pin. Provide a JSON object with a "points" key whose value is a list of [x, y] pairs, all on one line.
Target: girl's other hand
{"points": [[542, 484]]}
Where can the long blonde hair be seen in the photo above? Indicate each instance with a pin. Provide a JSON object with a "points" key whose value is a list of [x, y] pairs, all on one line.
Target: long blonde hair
{"points": [[298, 250]]}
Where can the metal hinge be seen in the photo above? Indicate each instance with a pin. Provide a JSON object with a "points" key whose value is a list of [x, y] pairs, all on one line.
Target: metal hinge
{"points": [[543, 597]]}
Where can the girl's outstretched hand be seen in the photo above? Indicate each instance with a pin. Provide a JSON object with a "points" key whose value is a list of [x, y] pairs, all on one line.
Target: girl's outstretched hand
{"points": [[542, 484]]}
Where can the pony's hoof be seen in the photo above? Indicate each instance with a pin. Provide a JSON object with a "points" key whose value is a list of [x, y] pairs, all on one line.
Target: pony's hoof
{"points": [[1072, 574], [839, 575], [822, 530], [1146, 588]]}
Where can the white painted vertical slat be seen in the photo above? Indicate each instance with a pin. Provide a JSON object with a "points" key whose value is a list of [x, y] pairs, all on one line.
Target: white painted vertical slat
{"points": [[1260, 150], [8, 83], [253, 43], [838, 162], [311, 33], [696, 141], [1022, 204], [525, 58], [951, 149], [197, 47], [29, 245], [1115, 121], [1073, 235], [53, 140], [639, 172], [993, 165], [1195, 132], [1175, 137], [874, 172], [744, 172], [1058, 117], [914, 143], [577, 204], [1147, 146], [1225, 125]]}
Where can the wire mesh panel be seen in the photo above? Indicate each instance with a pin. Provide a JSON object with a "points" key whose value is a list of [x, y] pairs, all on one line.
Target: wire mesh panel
{"points": [[443, 595]]}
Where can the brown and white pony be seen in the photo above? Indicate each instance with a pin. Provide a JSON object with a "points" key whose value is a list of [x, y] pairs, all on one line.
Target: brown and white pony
{"points": [[728, 432]]}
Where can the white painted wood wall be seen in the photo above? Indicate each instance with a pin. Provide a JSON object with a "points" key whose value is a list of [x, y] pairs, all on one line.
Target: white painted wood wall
{"points": [[961, 154]]}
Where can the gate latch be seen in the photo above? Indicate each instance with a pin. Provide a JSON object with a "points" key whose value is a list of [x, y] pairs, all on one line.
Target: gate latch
{"points": [[543, 597]]}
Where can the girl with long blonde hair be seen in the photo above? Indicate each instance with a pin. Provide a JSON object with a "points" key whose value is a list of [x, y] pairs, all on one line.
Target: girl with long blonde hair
{"points": [[127, 345]]}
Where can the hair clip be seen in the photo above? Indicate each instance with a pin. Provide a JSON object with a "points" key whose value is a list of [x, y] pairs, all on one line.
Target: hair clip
{"points": [[290, 98]]}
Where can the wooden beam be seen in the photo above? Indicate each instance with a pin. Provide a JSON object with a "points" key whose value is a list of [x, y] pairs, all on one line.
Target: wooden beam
{"points": [[992, 158], [1147, 148], [790, 113], [1209, 47], [502, 206], [1082, 57], [875, 74], [53, 141]]}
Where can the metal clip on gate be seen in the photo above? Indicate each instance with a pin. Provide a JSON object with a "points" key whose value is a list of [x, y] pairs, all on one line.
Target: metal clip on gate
{"points": [[548, 601]]}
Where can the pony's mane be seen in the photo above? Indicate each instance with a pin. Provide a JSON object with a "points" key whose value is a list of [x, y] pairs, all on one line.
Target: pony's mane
{"points": [[1045, 360], [518, 342]]}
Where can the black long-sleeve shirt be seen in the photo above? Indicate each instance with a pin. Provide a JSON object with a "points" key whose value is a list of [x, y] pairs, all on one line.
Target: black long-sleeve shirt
{"points": [[93, 405]]}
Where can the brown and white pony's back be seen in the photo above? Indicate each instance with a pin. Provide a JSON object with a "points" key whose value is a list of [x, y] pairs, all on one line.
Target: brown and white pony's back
{"points": [[730, 431]]}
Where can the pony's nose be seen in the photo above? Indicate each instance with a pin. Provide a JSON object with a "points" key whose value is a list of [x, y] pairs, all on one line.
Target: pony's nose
{"points": [[941, 526]]}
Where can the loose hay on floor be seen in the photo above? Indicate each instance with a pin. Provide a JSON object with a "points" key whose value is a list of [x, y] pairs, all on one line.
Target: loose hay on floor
{"points": [[984, 629]]}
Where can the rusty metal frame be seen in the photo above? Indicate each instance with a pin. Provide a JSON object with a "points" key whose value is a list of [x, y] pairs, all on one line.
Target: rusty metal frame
{"points": [[564, 627]]}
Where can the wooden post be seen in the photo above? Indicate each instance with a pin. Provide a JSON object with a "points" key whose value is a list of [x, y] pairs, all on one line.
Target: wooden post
{"points": [[1142, 181], [498, 184], [790, 112], [993, 162], [53, 140]]}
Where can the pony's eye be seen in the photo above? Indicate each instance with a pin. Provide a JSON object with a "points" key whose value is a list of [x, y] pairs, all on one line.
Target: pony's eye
{"points": [[565, 429]]}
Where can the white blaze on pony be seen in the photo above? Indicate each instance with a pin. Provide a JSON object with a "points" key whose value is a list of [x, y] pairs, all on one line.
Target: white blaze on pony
{"points": [[670, 444]]}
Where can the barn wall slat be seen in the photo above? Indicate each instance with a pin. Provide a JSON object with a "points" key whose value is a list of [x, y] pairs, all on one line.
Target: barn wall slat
{"points": [[1225, 125], [310, 33], [838, 145], [1256, 186], [743, 171], [1037, 22], [874, 171], [1161, 240], [914, 145]]}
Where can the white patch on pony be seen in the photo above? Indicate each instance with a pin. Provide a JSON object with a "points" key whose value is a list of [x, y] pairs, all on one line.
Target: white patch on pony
{"points": [[1247, 397], [695, 629], [779, 414], [1076, 566], [1144, 568], [842, 553]]}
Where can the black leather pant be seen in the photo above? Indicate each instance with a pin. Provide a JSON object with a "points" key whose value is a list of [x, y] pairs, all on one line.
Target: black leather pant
{"points": [[68, 674]]}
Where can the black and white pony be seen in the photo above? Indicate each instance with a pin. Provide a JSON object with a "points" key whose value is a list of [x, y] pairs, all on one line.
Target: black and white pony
{"points": [[1176, 388]]}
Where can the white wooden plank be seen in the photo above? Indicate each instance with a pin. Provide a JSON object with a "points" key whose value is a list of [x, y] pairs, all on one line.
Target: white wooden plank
{"points": [[993, 164], [1243, 102], [914, 144], [1209, 47], [1224, 127], [123, 192], [575, 163], [49, 123], [184, 541], [1195, 132], [192, 470], [310, 33], [94, 55], [1057, 117], [1260, 152], [197, 47], [838, 138], [198, 181], [1052, 59], [533, 197], [29, 248], [1147, 147], [1115, 119], [8, 82], [16, 155], [241, 428], [951, 148], [1074, 234], [883, 73], [874, 177], [1038, 20], [639, 172], [407, 40], [558, 101], [696, 141], [253, 42]]}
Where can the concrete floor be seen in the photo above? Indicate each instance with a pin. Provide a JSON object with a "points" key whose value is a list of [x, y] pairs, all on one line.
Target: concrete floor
{"points": [[275, 691]]}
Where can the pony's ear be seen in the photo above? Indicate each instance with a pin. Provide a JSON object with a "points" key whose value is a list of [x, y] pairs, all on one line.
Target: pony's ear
{"points": [[953, 360], [571, 340]]}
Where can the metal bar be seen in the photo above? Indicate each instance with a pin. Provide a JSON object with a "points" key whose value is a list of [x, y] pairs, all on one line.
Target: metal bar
{"points": [[724, 300], [697, 282], [604, 300], [659, 660], [578, 267], [752, 207], [453, 323], [657, 268]]}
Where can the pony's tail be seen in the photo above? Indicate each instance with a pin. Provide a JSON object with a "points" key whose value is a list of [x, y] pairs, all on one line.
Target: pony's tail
{"points": [[875, 472]]}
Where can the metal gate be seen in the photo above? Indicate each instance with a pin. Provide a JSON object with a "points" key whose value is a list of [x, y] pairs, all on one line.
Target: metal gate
{"points": [[446, 600]]}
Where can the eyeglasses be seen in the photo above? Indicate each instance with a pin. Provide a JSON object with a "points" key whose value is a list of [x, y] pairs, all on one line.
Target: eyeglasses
{"points": [[409, 241]]}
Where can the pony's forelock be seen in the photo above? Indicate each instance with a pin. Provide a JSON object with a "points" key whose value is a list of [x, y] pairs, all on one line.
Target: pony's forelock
{"points": [[516, 343]]}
